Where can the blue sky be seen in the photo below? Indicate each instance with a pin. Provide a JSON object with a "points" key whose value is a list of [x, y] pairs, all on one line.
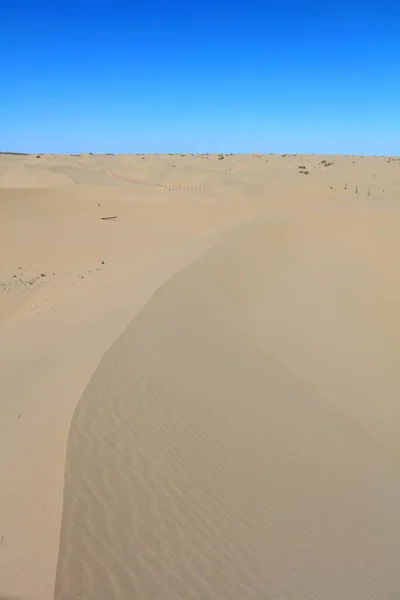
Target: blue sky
{"points": [[208, 76]]}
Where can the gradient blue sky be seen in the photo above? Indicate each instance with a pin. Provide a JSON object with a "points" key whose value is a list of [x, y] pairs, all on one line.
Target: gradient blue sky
{"points": [[209, 76]]}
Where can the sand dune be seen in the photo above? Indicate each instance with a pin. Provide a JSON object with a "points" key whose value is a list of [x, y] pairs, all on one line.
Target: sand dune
{"points": [[239, 439], [208, 459]]}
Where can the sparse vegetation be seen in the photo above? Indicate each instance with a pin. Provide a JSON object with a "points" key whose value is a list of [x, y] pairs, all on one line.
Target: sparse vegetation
{"points": [[304, 172], [221, 157], [16, 153], [326, 163]]}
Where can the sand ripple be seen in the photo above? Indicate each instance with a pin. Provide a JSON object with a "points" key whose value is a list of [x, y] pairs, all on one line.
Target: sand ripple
{"points": [[199, 466]]}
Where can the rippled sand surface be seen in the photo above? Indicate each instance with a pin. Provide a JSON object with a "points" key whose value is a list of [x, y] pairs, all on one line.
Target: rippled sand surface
{"points": [[199, 395], [212, 455]]}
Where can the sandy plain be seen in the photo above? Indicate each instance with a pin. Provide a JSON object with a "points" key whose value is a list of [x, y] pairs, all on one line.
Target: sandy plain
{"points": [[200, 396]]}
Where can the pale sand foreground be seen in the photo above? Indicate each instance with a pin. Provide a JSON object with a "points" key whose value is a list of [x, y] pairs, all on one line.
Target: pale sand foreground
{"points": [[240, 439]]}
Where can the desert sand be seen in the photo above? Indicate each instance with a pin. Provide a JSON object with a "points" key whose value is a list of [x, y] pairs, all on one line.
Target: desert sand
{"points": [[199, 395]]}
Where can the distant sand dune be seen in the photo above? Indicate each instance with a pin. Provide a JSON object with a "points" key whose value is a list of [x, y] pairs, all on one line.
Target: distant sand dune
{"points": [[28, 178], [171, 187]]}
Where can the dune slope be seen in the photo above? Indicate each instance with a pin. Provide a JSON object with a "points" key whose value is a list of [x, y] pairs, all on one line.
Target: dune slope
{"points": [[237, 440]]}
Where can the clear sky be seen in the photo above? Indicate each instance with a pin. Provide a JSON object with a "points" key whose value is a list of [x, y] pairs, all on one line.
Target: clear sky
{"points": [[200, 76]]}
